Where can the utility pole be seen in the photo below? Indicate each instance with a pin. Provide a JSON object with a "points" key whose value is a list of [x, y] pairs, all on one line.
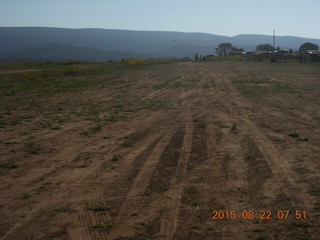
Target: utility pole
{"points": [[274, 40]]}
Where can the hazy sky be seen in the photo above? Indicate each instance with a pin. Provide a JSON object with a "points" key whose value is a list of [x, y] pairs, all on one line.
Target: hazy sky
{"points": [[223, 17]]}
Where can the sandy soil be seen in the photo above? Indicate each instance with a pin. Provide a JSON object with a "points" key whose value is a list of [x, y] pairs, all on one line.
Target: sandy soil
{"points": [[155, 155]]}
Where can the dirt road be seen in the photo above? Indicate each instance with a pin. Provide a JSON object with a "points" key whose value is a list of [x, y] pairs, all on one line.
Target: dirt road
{"points": [[224, 150]]}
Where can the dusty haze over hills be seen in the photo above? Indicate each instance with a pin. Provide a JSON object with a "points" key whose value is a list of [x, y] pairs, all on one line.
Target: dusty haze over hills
{"points": [[41, 43]]}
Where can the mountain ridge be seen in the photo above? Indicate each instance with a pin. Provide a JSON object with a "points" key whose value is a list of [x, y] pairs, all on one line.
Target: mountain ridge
{"points": [[113, 44]]}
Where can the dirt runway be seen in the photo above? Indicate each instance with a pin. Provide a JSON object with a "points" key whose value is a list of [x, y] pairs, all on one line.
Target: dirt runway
{"points": [[221, 150]]}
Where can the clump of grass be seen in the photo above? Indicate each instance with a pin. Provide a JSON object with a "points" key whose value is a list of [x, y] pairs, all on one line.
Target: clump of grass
{"points": [[107, 137], [96, 128], [4, 171], [115, 157], [10, 165], [44, 124], [234, 128], [278, 130], [303, 139], [32, 147], [25, 196], [127, 143], [105, 227], [83, 166], [99, 208], [84, 133], [201, 125], [294, 135]]}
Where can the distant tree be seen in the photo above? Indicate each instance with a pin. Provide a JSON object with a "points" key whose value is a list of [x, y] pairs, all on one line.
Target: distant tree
{"points": [[237, 49], [196, 57], [278, 49], [290, 50], [224, 49], [308, 46], [265, 47]]}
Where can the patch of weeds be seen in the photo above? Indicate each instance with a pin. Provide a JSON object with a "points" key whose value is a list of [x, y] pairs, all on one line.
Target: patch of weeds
{"points": [[127, 143], [115, 118], [115, 157], [25, 196], [278, 130], [61, 120], [303, 139], [294, 135], [1, 205], [44, 124], [10, 143], [86, 164], [2, 124], [105, 227], [99, 208], [196, 204], [96, 128], [134, 214], [65, 210], [55, 128], [234, 128], [201, 125], [224, 126], [107, 137], [9, 165], [32, 147], [83, 166], [13, 122], [84, 133], [30, 138], [24, 133], [3, 171]]}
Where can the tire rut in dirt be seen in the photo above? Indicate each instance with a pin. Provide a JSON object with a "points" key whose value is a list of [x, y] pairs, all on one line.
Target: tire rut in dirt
{"points": [[136, 199], [166, 167]]}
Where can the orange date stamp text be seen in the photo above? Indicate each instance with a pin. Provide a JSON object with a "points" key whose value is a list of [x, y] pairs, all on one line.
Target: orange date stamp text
{"points": [[261, 214]]}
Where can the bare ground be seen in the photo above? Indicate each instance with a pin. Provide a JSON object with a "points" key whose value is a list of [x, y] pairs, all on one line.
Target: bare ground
{"points": [[153, 155]]}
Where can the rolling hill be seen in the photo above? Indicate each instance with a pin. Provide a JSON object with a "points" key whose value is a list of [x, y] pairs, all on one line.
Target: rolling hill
{"points": [[41, 43]]}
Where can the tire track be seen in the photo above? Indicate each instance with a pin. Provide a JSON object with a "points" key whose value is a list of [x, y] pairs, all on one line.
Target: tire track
{"points": [[135, 194], [169, 224], [283, 173]]}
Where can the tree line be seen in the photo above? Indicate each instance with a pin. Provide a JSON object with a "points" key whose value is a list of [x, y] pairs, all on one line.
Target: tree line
{"points": [[224, 49]]}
